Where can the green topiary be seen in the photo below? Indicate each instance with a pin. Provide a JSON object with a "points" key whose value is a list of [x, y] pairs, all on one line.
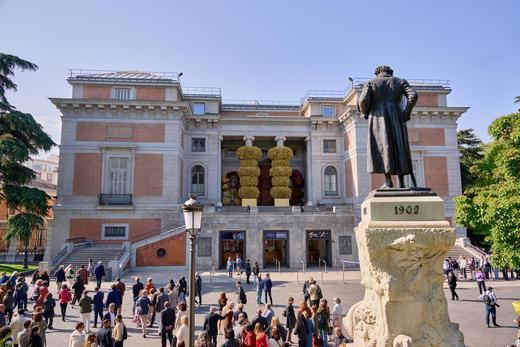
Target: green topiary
{"points": [[248, 192], [249, 152]]}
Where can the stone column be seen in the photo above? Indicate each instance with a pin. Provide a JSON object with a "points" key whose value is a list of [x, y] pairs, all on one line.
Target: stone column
{"points": [[249, 140], [308, 179], [219, 170], [402, 241], [280, 140]]}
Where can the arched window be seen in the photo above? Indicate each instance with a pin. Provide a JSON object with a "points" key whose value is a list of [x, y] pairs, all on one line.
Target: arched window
{"points": [[331, 181], [197, 180]]}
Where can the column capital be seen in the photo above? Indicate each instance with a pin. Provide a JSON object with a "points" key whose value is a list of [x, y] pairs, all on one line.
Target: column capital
{"points": [[280, 140], [221, 138], [249, 140], [308, 139]]}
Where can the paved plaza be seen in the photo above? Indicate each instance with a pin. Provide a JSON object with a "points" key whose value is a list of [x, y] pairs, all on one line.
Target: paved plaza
{"points": [[468, 312]]}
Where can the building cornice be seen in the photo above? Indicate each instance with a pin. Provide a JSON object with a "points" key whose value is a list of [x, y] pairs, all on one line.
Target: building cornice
{"points": [[134, 105]]}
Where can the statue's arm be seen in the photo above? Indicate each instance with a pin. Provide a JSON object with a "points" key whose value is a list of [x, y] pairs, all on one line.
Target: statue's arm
{"points": [[365, 100], [411, 96]]}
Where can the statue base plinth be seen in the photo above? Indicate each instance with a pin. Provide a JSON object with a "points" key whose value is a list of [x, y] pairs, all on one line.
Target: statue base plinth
{"points": [[281, 202], [402, 241], [248, 202]]}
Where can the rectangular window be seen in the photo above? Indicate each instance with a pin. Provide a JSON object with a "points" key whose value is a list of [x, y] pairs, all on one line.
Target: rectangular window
{"points": [[199, 108], [115, 232], [118, 176], [204, 246], [329, 146], [49, 177], [329, 111], [345, 244], [198, 144], [122, 93]]}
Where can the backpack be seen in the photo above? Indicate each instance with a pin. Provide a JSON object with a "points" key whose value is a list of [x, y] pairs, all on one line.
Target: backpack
{"points": [[125, 333], [486, 299]]}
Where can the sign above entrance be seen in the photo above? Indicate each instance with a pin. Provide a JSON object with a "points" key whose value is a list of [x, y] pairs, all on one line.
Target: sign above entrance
{"points": [[275, 235], [318, 234], [232, 235]]}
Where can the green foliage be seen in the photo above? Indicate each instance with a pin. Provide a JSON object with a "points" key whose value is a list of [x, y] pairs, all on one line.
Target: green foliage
{"points": [[491, 206], [20, 137], [471, 151]]}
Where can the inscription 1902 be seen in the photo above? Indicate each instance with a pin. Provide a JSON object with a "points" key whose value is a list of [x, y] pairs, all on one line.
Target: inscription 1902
{"points": [[409, 209]]}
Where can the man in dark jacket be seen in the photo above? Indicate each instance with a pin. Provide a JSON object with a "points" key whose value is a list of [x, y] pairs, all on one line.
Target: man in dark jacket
{"points": [[211, 324], [104, 335], [268, 286], [60, 277], [99, 272], [98, 306], [136, 289], [260, 319], [168, 324], [248, 271], [162, 298], [113, 297], [241, 294], [198, 282]]}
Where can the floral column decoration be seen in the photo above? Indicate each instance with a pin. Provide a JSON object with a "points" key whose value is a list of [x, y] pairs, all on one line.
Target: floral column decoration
{"points": [[280, 172], [249, 172]]}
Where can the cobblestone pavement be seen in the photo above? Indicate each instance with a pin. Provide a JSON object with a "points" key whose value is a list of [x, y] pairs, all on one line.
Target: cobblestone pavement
{"points": [[468, 312]]}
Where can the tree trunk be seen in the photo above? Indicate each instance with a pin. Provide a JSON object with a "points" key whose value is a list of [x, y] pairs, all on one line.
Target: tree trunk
{"points": [[25, 257]]}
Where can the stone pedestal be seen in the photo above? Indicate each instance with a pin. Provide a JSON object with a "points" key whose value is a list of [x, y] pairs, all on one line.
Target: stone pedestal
{"points": [[281, 202], [402, 240], [248, 202]]}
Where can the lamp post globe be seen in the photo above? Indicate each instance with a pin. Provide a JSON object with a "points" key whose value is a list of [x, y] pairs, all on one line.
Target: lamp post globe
{"points": [[192, 210]]}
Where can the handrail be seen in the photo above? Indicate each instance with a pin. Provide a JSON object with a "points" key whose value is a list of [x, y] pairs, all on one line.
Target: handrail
{"points": [[157, 232], [319, 266], [476, 249], [121, 253], [303, 265], [59, 256], [277, 263]]}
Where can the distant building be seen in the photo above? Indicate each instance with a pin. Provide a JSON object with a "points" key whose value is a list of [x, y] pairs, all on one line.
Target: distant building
{"points": [[135, 143]]}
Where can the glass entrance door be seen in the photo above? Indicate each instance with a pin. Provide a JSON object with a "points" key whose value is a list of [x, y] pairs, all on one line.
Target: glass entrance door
{"points": [[276, 247], [319, 248], [232, 243]]}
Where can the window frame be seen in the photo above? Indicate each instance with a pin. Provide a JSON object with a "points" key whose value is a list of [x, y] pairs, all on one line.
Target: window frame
{"points": [[107, 155], [343, 251], [198, 139], [195, 109], [131, 93], [326, 192], [333, 107], [203, 180], [335, 146], [115, 225], [209, 245]]}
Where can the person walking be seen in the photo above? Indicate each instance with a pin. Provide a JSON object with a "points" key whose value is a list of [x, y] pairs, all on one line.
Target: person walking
{"points": [[256, 272], [42, 327], [259, 288], [268, 314], [182, 312], [121, 287], [480, 278], [276, 325], [463, 264], [35, 339], [84, 274], [113, 297], [452, 283], [305, 289], [111, 315], [172, 296], [301, 330], [78, 288], [143, 305], [59, 275], [229, 267], [290, 322], [268, 286], [198, 287], [104, 335], [239, 264], [249, 338], [25, 334], [99, 273], [337, 313], [136, 290], [211, 324], [313, 294], [230, 340], [119, 334], [9, 304], [260, 319], [160, 302], [490, 300], [275, 340], [64, 297], [17, 324], [167, 325], [182, 289], [98, 306], [248, 271], [77, 337], [85, 310], [183, 332], [241, 294], [322, 322], [261, 337], [48, 310]]}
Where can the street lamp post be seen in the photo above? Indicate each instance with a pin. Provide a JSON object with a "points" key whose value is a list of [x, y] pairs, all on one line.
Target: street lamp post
{"points": [[192, 217]]}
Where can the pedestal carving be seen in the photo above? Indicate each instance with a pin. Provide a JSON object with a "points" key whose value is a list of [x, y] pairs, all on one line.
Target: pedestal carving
{"points": [[401, 269]]}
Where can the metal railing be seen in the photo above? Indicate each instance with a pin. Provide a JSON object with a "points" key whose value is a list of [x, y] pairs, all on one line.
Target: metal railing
{"points": [[123, 76], [115, 199], [324, 94], [277, 264], [213, 92], [303, 266], [343, 262], [320, 260]]}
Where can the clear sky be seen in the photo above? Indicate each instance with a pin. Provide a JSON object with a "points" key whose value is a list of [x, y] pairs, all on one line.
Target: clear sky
{"points": [[270, 49]]}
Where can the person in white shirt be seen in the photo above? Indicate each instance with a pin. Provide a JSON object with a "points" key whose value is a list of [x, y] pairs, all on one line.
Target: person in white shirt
{"points": [[77, 338], [183, 332], [337, 313], [111, 314], [463, 264], [16, 325]]}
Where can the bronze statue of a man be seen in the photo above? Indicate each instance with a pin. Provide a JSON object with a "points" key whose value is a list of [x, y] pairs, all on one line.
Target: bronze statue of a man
{"points": [[388, 150]]}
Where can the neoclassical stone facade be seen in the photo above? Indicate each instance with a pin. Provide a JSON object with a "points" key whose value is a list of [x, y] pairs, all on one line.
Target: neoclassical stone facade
{"points": [[134, 144]]}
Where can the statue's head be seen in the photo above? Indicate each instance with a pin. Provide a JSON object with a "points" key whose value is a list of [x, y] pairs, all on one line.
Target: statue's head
{"points": [[384, 69]]}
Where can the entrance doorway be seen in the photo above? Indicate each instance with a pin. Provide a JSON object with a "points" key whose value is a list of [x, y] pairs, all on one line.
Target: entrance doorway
{"points": [[275, 247], [232, 243], [319, 247], [264, 184]]}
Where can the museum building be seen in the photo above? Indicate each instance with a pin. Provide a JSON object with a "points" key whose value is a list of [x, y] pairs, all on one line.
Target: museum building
{"points": [[134, 144]]}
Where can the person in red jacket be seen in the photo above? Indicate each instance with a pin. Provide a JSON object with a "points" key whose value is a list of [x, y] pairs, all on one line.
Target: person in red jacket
{"points": [[249, 338], [64, 297]]}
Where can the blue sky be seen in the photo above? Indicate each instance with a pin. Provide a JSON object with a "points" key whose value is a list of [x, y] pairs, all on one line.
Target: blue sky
{"points": [[272, 50]]}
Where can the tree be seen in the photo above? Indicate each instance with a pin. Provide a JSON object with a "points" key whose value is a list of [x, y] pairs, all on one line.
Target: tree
{"points": [[20, 138], [491, 206], [517, 100], [471, 152]]}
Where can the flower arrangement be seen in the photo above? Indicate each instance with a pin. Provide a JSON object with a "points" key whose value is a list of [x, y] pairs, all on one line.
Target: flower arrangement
{"points": [[280, 172], [249, 171]]}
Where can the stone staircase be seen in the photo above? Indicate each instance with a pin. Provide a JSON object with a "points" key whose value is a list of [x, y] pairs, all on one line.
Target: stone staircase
{"points": [[81, 256], [457, 251]]}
